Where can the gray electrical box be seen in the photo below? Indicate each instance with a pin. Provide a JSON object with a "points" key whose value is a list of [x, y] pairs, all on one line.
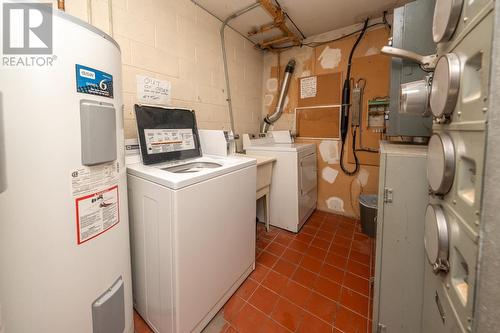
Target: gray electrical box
{"points": [[98, 132], [412, 31]]}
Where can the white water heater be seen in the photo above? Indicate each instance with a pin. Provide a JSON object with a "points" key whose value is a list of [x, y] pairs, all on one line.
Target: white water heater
{"points": [[64, 235]]}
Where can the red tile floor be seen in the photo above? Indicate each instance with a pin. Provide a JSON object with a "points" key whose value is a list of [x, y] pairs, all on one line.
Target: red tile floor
{"points": [[315, 281]]}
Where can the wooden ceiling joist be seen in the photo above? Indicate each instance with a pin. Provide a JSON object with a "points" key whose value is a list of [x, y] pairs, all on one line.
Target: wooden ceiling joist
{"points": [[279, 22]]}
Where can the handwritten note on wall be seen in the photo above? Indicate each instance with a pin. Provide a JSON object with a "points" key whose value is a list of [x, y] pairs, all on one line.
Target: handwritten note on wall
{"points": [[308, 87], [153, 91]]}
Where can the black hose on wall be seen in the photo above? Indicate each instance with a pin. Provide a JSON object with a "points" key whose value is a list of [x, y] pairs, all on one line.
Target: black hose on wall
{"points": [[346, 100]]}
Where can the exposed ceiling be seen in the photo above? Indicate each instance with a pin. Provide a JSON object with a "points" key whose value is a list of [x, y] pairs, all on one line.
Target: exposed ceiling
{"points": [[312, 17]]}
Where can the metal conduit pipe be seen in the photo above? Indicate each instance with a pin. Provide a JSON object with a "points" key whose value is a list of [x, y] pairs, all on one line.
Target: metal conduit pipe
{"points": [[270, 119], [89, 11], [110, 18], [224, 57], [61, 5]]}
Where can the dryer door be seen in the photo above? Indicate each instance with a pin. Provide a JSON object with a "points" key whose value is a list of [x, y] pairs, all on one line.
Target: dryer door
{"points": [[308, 174], [307, 186]]}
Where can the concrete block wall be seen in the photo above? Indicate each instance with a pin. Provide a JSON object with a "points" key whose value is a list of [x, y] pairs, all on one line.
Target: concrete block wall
{"points": [[175, 40]]}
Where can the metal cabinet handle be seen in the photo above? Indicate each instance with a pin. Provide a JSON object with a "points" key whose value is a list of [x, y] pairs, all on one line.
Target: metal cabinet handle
{"points": [[427, 62], [440, 307]]}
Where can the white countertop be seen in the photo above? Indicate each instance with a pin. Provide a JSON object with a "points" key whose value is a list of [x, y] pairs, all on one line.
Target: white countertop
{"points": [[261, 160], [281, 147]]}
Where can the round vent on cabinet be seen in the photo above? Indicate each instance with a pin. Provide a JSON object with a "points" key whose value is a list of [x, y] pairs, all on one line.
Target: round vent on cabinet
{"points": [[436, 238], [445, 85], [446, 16]]}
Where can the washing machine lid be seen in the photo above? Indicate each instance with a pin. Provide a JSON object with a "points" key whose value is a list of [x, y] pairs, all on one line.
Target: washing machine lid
{"points": [[165, 174], [446, 16], [166, 134], [440, 163], [436, 238]]}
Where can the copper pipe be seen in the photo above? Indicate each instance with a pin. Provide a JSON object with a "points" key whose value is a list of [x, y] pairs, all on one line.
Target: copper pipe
{"points": [[60, 5]]}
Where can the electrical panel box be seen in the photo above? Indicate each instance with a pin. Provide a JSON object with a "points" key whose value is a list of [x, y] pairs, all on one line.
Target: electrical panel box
{"points": [[412, 31], [378, 110]]}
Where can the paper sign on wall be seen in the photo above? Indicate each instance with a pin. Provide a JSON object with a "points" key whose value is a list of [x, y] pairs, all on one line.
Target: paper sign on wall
{"points": [[308, 87], [153, 91]]}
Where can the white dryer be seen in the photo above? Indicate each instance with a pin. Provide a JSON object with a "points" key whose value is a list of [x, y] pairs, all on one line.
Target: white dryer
{"points": [[294, 182], [192, 223]]}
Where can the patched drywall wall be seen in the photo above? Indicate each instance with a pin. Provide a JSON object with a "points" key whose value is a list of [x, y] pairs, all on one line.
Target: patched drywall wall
{"points": [[337, 192], [330, 58], [177, 41]]}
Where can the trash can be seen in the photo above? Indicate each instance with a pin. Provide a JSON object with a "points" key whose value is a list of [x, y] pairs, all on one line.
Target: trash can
{"points": [[368, 212]]}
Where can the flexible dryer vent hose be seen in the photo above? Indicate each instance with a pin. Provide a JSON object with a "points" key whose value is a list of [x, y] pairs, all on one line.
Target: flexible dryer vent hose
{"points": [[270, 119]]}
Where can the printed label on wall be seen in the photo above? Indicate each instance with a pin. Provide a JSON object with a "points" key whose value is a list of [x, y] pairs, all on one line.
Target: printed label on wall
{"points": [[168, 140], [132, 147], [94, 82], [96, 213], [153, 91], [308, 87], [95, 193]]}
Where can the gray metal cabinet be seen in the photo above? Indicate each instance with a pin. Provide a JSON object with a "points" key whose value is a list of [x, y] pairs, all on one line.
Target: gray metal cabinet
{"points": [[400, 254], [412, 31]]}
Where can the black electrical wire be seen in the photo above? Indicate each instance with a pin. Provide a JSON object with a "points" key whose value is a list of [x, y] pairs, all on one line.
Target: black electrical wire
{"points": [[345, 109], [286, 14], [356, 160], [315, 44], [349, 62]]}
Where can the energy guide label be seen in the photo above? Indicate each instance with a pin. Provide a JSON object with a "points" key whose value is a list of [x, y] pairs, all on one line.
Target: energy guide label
{"points": [[168, 140]]}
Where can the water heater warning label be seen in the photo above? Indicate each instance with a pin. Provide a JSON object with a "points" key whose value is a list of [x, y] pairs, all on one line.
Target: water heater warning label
{"points": [[95, 193], [167, 140], [96, 213]]}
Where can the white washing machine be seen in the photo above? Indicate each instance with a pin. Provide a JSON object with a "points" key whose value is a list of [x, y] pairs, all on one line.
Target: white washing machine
{"points": [[294, 182], [192, 223]]}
